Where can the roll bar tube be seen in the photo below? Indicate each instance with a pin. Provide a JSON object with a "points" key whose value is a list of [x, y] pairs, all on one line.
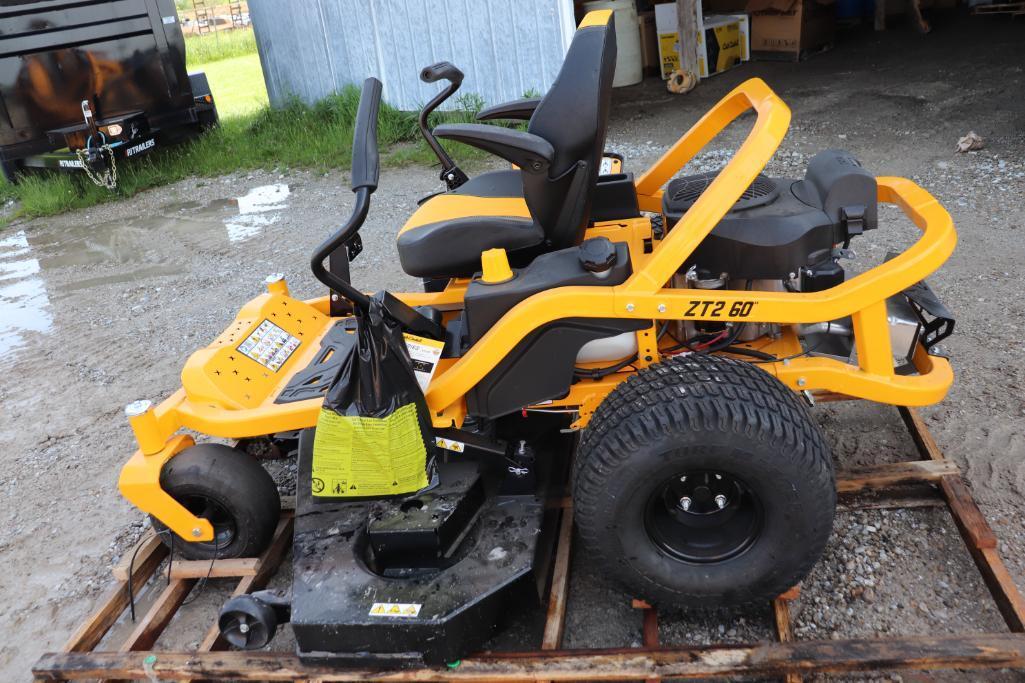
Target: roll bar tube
{"points": [[366, 172]]}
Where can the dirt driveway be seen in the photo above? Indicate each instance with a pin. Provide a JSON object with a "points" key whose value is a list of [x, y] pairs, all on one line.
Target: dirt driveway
{"points": [[100, 307]]}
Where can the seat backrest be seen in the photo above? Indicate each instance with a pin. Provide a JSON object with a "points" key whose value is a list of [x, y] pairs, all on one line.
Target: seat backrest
{"points": [[573, 117]]}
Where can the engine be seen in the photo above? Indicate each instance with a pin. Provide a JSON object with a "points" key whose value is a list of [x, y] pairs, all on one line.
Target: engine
{"points": [[782, 229], [782, 234]]}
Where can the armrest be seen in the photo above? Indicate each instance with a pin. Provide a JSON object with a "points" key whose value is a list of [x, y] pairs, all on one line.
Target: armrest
{"points": [[517, 109], [532, 153]]}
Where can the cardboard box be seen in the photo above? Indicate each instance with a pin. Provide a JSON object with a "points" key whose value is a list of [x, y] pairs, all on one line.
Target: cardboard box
{"points": [[790, 29], [723, 41], [649, 43]]}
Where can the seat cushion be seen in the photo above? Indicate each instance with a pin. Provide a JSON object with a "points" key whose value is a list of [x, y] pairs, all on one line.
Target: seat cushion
{"points": [[447, 234]]}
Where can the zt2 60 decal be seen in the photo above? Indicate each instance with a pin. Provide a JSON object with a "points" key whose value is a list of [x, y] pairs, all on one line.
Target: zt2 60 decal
{"points": [[720, 309]]}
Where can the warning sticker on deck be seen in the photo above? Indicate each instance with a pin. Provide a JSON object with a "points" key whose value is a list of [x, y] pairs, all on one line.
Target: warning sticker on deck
{"points": [[368, 456], [395, 609], [269, 345], [425, 354], [450, 444]]}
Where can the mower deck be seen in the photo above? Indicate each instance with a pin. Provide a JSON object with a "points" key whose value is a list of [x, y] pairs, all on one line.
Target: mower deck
{"points": [[79, 659]]}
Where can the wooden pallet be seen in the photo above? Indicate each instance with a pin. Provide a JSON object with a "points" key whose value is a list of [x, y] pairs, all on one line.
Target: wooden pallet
{"points": [[1013, 8], [789, 658]]}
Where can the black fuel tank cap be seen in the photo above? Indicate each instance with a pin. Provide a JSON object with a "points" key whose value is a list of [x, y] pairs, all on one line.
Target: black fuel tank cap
{"points": [[597, 254]]}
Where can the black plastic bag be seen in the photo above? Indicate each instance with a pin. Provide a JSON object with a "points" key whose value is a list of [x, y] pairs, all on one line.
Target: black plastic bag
{"points": [[374, 436]]}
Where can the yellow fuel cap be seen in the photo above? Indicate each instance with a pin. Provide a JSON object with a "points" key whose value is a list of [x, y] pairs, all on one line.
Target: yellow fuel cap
{"points": [[495, 266]]}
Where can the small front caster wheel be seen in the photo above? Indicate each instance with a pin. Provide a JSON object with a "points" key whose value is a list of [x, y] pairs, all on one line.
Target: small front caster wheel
{"points": [[247, 623], [232, 491]]}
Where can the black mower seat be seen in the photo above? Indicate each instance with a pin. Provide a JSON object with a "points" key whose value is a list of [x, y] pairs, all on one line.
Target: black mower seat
{"points": [[547, 205], [447, 234]]}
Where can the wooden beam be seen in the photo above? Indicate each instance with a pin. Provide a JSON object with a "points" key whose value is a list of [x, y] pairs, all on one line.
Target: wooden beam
{"points": [[972, 525], [983, 650], [555, 623], [784, 632], [220, 569], [146, 632], [140, 551], [893, 474], [687, 24], [91, 632]]}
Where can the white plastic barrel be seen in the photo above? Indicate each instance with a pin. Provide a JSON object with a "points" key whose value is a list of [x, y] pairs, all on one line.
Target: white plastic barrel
{"points": [[628, 39]]}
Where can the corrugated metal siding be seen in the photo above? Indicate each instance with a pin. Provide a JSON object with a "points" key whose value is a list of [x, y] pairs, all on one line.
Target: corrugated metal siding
{"points": [[310, 48]]}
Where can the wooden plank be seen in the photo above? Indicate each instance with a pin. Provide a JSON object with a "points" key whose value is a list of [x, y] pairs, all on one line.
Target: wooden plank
{"points": [[932, 499], [784, 632], [555, 623], [159, 615], [649, 633], [1001, 586], [220, 569], [985, 650], [143, 549], [920, 434], [894, 474], [974, 529], [114, 602]]}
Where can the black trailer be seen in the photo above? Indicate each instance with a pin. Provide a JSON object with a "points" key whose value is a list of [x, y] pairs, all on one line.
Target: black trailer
{"points": [[84, 85]]}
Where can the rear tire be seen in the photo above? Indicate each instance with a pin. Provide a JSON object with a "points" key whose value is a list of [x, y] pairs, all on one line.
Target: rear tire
{"points": [[229, 488], [703, 482]]}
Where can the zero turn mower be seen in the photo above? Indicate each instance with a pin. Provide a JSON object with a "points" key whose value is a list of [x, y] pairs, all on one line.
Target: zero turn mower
{"points": [[667, 333]]}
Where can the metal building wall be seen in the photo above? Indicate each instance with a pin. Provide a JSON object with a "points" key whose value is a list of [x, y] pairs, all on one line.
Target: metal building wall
{"points": [[311, 48]]}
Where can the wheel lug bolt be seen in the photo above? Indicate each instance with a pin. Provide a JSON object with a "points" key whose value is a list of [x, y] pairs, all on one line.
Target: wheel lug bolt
{"points": [[685, 503], [721, 501]]}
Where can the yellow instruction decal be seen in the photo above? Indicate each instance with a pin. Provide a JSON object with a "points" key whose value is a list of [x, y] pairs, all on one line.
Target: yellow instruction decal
{"points": [[368, 456]]}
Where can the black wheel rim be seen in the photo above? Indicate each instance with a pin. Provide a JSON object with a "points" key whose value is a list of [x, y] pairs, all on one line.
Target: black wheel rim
{"points": [[703, 516], [222, 521]]}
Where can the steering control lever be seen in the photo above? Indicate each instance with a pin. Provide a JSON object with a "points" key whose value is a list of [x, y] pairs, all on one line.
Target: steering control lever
{"points": [[450, 172]]}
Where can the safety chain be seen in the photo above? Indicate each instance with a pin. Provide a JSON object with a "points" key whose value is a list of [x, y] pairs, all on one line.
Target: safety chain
{"points": [[106, 179]]}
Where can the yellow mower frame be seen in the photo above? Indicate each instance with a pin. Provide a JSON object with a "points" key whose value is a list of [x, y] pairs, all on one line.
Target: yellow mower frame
{"points": [[226, 394]]}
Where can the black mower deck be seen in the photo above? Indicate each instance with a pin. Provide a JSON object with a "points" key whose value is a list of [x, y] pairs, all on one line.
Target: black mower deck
{"points": [[875, 487]]}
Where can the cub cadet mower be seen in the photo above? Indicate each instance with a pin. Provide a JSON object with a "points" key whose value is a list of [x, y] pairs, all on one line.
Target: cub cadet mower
{"points": [[668, 333]]}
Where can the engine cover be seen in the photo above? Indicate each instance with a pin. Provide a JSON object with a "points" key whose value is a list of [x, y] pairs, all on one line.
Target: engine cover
{"points": [[781, 225]]}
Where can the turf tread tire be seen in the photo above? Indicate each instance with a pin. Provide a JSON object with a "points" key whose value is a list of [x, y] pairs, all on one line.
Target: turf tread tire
{"points": [[717, 398], [239, 483]]}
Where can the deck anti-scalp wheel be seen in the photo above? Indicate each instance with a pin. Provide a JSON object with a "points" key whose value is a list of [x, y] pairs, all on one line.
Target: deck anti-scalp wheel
{"points": [[703, 482], [229, 488]]}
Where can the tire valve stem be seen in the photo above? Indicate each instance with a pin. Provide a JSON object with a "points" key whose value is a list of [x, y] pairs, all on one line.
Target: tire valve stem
{"points": [[685, 503], [721, 501]]}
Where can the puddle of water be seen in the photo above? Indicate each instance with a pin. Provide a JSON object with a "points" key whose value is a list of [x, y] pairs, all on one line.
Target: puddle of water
{"points": [[24, 303], [253, 208]]}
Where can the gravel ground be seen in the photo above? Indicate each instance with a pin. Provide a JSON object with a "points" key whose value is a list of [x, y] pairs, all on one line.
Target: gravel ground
{"points": [[101, 306]]}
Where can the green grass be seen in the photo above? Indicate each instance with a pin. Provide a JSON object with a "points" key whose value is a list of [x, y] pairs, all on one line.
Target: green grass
{"points": [[202, 50], [252, 136], [237, 84]]}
